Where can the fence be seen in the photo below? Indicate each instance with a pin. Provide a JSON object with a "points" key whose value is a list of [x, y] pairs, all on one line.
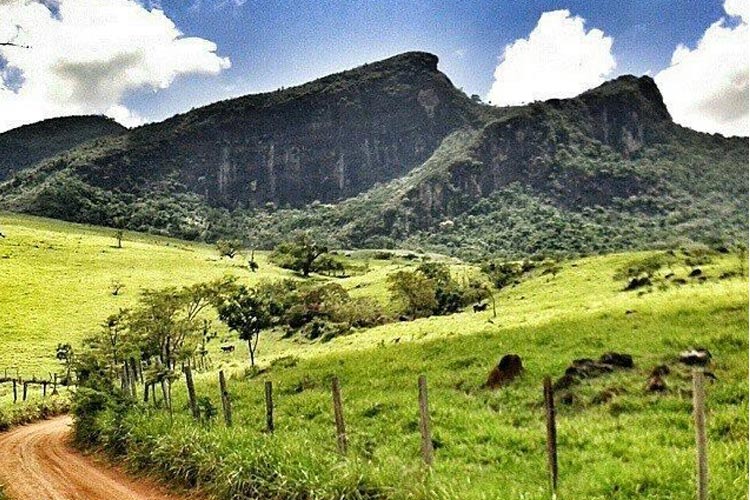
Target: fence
{"points": [[132, 373], [422, 401], [22, 385]]}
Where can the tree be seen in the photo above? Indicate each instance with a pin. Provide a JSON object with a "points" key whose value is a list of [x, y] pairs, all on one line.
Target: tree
{"points": [[66, 356], [161, 327], [245, 312], [118, 236], [299, 254], [116, 286], [251, 263], [228, 248], [414, 291]]}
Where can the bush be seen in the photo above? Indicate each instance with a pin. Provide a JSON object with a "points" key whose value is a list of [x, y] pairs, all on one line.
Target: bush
{"points": [[644, 267], [430, 290]]}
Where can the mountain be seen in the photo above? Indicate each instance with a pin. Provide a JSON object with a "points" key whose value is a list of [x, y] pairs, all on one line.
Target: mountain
{"points": [[27, 145], [392, 154]]}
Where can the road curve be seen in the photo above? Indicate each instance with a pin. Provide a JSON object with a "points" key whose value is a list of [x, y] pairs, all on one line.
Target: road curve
{"points": [[37, 462]]}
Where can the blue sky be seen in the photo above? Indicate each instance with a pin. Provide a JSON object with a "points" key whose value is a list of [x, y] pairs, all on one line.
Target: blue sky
{"points": [[274, 44], [145, 60]]}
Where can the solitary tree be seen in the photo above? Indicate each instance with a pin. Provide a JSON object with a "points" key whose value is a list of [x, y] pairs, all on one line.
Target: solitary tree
{"points": [[251, 263], [245, 312], [227, 248], [118, 236], [300, 254]]}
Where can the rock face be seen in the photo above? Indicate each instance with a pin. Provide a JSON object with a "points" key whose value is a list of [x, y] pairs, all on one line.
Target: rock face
{"points": [[326, 140]]}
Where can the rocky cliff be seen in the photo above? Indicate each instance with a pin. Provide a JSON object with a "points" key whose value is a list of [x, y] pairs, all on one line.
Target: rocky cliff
{"points": [[395, 153]]}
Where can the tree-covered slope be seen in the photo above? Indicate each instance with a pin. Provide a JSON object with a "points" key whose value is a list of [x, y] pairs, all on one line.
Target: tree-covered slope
{"points": [[27, 145]]}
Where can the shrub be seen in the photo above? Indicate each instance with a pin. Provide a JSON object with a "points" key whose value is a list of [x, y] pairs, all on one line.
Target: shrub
{"points": [[644, 266]]}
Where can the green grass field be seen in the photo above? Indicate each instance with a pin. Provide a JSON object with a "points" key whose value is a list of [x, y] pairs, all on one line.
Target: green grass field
{"points": [[489, 444], [57, 281]]}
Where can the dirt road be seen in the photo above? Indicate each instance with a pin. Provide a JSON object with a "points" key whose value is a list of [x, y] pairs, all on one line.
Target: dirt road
{"points": [[37, 462]]}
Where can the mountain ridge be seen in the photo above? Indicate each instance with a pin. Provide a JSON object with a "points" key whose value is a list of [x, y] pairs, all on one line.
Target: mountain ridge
{"points": [[397, 150]]}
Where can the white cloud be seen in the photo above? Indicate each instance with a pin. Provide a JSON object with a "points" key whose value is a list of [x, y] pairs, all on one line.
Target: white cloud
{"points": [[86, 55], [706, 88], [558, 59]]}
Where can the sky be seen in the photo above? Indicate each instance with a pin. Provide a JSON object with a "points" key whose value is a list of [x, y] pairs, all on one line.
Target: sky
{"points": [[145, 60]]}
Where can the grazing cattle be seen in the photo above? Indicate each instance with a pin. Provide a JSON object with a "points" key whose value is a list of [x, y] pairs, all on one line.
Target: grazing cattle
{"points": [[507, 369], [695, 357], [227, 348], [480, 307]]}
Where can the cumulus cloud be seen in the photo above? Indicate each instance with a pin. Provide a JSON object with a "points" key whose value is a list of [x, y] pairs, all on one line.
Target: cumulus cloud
{"points": [[558, 59], [86, 55], [706, 88]]}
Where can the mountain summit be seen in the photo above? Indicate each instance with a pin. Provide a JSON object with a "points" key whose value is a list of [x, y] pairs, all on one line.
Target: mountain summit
{"points": [[399, 150]]}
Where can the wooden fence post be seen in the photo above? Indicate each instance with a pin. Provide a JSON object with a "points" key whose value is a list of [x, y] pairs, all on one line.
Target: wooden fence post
{"points": [[145, 392], [134, 372], [54, 384], [701, 444], [424, 421], [15, 392], [191, 391], [44, 388], [269, 406], [165, 397], [338, 413], [549, 404], [125, 378], [225, 403], [25, 388]]}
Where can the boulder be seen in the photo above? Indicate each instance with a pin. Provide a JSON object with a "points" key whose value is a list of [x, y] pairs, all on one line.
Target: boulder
{"points": [[604, 397], [587, 368], [660, 371], [617, 359], [656, 384], [509, 368], [565, 382]]}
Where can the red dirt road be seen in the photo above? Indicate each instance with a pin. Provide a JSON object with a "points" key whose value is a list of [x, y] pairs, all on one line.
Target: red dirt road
{"points": [[38, 463]]}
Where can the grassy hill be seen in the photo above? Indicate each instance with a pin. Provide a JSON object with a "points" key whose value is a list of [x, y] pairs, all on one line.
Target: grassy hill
{"points": [[58, 281], [615, 439]]}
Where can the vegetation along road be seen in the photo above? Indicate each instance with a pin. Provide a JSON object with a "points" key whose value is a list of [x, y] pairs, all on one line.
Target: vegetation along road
{"points": [[36, 461]]}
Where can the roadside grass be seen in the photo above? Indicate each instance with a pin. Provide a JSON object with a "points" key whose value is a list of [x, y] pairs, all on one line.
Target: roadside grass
{"points": [[489, 444], [32, 410]]}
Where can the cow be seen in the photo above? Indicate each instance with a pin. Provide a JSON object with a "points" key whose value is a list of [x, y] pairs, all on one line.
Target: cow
{"points": [[227, 348]]}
